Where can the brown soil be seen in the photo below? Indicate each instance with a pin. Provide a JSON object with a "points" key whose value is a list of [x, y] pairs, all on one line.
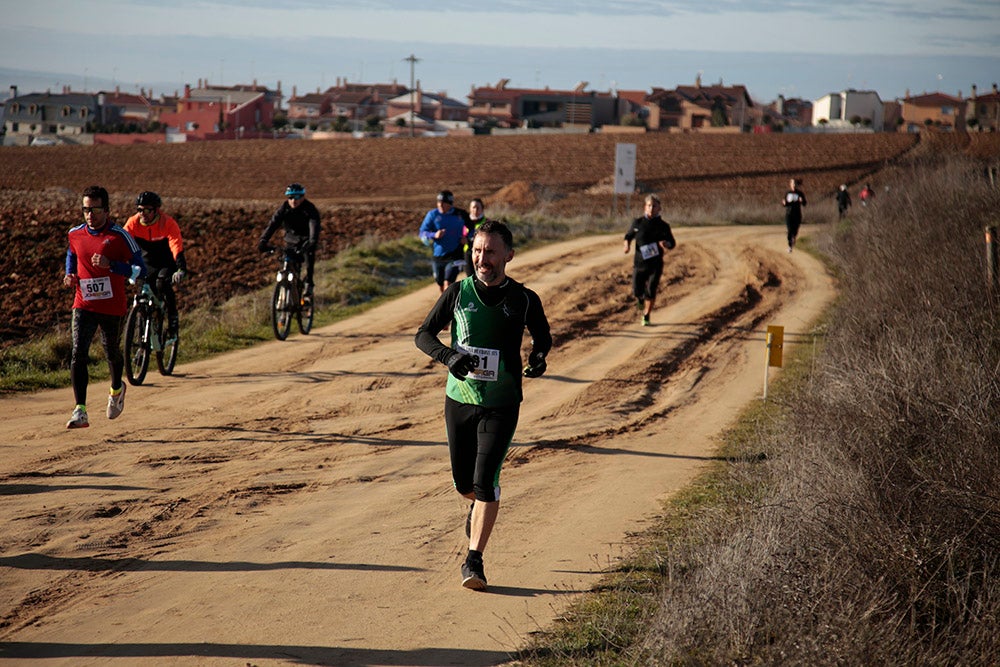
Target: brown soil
{"points": [[224, 192]]}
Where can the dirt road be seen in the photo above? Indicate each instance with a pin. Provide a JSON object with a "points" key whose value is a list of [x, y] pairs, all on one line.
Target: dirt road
{"points": [[291, 504]]}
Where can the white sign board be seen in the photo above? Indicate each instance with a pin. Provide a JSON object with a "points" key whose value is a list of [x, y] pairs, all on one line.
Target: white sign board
{"points": [[624, 169]]}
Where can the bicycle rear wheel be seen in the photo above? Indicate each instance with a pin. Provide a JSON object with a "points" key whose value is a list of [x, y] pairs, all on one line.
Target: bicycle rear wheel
{"points": [[305, 313], [281, 310], [166, 356], [136, 345]]}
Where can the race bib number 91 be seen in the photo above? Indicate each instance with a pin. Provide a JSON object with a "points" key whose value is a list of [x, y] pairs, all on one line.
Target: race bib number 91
{"points": [[487, 363], [94, 289]]}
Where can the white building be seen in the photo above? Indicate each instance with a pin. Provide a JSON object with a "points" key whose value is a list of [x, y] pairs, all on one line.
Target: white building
{"points": [[847, 109]]}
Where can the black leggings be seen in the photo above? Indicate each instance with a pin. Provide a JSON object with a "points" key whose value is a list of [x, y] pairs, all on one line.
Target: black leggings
{"points": [[85, 325], [160, 279], [478, 440], [792, 227]]}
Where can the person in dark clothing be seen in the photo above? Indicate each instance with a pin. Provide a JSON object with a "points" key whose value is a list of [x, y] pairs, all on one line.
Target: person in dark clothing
{"points": [[487, 315], [300, 219], [794, 201], [652, 238], [476, 217], [843, 201]]}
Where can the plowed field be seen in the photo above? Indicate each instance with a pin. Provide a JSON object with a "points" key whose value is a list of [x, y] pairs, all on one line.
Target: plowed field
{"points": [[224, 192]]}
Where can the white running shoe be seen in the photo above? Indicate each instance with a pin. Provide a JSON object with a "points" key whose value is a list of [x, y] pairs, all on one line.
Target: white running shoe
{"points": [[116, 403], [79, 419]]}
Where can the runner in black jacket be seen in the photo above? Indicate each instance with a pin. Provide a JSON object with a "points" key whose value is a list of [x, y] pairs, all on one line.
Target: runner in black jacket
{"points": [[794, 201], [652, 238]]}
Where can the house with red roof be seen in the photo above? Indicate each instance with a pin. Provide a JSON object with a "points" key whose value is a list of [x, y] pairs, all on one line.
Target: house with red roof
{"points": [[699, 107], [502, 106], [932, 110], [233, 112]]}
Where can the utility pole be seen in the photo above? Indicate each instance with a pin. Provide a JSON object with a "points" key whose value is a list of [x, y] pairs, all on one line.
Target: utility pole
{"points": [[413, 61]]}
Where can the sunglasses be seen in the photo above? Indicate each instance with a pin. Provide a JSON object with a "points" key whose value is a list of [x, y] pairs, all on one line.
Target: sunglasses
{"points": [[91, 209], [144, 209], [295, 197]]}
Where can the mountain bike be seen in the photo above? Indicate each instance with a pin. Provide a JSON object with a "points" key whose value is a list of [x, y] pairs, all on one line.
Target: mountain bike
{"points": [[289, 297], [145, 334]]}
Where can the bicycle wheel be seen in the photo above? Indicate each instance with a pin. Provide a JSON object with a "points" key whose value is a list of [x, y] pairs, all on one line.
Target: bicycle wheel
{"points": [[137, 345], [281, 310], [305, 313], [166, 356]]}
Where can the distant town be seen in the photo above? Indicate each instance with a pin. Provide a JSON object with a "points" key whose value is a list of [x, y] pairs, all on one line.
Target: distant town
{"points": [[356, 110]]}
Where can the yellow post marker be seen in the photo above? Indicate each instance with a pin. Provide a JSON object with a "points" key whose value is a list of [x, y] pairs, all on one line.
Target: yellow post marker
{"points": [[775, 343]]}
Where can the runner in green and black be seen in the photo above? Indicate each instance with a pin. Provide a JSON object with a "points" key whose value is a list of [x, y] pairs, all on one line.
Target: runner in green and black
{"points": [[487, 315]]}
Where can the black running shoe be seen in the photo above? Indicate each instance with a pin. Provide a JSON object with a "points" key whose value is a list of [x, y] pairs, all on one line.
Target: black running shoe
{"points": [[472, 575], [468, 521]]}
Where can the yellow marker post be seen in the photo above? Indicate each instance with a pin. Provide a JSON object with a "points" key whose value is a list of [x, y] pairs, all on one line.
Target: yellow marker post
{"points": [[775, 345], [776, 342]]}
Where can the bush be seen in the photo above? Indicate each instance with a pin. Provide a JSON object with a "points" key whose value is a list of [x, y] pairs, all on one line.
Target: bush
{"points": [[872, 535]]}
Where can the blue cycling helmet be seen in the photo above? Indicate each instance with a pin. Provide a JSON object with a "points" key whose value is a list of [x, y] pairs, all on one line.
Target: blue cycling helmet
{"points": [[295, 190]]}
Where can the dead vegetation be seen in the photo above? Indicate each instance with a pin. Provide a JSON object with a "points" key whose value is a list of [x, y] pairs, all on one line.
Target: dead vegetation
{"points": [[870, 535]]}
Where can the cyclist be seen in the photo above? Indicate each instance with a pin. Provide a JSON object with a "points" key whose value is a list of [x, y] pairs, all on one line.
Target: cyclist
{"points": [[159, 236], [300, 219]]}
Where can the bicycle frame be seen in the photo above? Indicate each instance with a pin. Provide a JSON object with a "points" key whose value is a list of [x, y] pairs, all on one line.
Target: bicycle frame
{"points": [[289, 300], [149, 299], [291, 267]]}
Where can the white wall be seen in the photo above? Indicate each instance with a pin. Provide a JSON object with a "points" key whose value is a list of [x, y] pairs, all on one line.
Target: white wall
{"points": [[839, 108]]}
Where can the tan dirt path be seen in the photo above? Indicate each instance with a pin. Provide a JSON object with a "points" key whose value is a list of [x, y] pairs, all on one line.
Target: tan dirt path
{"points": [[291, 504]]}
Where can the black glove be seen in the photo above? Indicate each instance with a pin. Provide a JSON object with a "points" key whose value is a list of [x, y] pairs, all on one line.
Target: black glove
{"points": [[264, 246], [536, 365], [461, 364]]}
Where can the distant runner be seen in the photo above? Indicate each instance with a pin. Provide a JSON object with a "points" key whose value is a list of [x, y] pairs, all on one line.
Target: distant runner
{"points": [[652, 238], [443, 228], [794, 201]]}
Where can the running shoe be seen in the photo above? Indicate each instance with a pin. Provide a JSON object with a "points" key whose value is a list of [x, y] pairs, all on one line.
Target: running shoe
{"points": [[116, 403], [472, 575], [468, 521], [645, 320], [79, 418]]}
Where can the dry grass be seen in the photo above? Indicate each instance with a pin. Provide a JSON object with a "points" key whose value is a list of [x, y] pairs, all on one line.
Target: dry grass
{"points": [[876, 538]]}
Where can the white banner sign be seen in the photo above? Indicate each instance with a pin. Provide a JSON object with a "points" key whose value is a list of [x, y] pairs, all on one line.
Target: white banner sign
{"points": [[624, 169]]}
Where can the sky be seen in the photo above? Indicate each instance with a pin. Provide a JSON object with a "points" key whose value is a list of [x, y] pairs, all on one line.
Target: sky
{"points": [[794, 48]]}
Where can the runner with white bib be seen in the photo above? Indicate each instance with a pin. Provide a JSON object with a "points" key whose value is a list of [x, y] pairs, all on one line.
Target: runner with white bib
{"points": [[487, 315], [652, 238]]}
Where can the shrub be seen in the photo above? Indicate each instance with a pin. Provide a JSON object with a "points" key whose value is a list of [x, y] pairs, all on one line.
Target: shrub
{"points": [[874, 532]]}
